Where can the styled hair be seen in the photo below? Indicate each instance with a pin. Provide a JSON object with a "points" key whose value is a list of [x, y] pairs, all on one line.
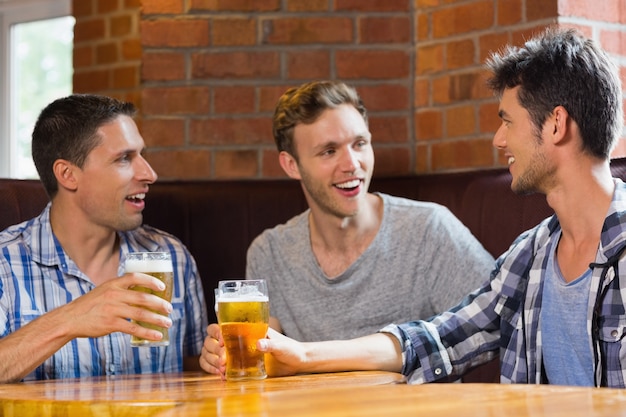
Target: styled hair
{"points": [[305, 104], [560, 67], [67, 129]]}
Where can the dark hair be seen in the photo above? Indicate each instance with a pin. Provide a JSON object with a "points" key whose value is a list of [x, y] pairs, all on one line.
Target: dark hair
{"points": [[66, 129], [560, 67], [305, 104]]}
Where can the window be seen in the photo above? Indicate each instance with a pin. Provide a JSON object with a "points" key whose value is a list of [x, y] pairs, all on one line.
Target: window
{"points": [[36, 40]]}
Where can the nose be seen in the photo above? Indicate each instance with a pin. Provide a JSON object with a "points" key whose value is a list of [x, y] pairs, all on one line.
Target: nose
{"points": [[144, 171], [499, 138], [350, 160]]}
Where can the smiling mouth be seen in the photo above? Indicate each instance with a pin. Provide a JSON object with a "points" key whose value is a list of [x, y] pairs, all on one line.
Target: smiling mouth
{"points": [[511, 160], [349, 185], [135, 198]]}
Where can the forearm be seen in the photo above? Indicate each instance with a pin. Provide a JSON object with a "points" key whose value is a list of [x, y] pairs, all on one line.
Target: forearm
{"points": [[379, 351], [25, 349]]}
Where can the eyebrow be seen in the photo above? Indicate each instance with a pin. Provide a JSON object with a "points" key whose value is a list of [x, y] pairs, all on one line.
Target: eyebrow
{"points": [[502, 114]]}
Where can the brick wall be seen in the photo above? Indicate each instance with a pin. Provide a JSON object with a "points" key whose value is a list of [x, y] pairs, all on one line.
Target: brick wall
{"points": [[207, 73]]}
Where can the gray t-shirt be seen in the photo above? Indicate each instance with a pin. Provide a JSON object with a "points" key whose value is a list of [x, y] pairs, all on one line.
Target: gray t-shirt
{"points": [[422, 261]]}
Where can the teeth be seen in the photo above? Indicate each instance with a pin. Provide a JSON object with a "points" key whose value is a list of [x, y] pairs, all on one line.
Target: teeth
{"points": [[137, 196], [511, 159], [349, 184]]}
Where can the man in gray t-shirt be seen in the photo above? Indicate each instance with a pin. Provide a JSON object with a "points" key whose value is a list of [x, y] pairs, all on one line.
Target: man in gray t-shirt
{"points": [[422, 261], [354, 261]]}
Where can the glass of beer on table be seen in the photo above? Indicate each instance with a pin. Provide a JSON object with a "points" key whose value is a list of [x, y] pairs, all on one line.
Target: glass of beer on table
{"points": [[159, 265], [243, 314]]}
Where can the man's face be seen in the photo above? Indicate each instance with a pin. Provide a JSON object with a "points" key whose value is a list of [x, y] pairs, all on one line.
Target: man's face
{"points": [[335, 160], [115, 177], [523, 146]]}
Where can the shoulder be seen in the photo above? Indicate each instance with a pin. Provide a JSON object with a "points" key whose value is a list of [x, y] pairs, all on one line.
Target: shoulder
{"points": [[407, 210], [288, 231]]}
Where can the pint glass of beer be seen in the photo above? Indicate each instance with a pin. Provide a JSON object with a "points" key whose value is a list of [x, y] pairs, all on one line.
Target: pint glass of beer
{"points": [[159, 265], [243, 314]]}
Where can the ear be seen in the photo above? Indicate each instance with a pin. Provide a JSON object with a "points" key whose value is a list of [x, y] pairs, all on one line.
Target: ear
{"points": [[65, 173], [289, 164], [559, 124]]}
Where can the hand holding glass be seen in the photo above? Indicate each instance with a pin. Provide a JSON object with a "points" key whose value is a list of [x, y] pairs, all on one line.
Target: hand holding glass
{"points": [[159, 265], [243, 315]]}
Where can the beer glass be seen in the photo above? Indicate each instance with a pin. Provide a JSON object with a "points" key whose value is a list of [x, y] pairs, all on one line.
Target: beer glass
{"points": [[159, 265], [243, 315]]}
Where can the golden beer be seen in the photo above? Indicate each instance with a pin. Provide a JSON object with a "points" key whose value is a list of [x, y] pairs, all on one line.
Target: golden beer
{"points": [[159, 265], [243, 319]]}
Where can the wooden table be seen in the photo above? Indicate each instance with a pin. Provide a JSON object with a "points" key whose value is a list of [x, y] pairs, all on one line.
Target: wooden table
{"points": [[147, 395], [440, 400]]}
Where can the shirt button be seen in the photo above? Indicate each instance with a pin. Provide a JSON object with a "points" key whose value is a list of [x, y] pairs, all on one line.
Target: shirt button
{"points": [[407, 343], [438, 371], [614, 333]]}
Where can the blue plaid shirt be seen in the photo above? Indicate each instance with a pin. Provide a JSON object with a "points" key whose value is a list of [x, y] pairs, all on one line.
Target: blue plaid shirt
{"points": [[503, 315], [36, 276]]}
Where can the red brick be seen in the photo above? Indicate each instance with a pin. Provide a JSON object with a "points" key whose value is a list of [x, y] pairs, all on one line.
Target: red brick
{"points": [[132, 4], [131, 49], [176, 100], [429, 59], [175, 33], [181, 164], [90, 81], [163, 132], [303, 65], [389, 129], [372, 64], [236, 164], [373, 5], [384, 30], [441, 90], [385, 97], [307, 5], [239, 99], [490, 43], [235, 5], [82, 8], [271, 167], [460, 54], [236, 65], [125, 77], [107, 6], [613, 41], [421, 94], [461, 121], [474, 16], [120, 25], [308, 30], [88, 30], [423, 26], [428, 125], [422, 165], [488, 117], [163, 7], [461, 154], [231, 131], [163, 66], [392, 161], [510, 12], [106, 53], [543, 9], [234, 32], [83, 56], [269, 95]]}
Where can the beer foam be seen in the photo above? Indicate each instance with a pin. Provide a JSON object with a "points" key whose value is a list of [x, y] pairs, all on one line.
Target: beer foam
{"points": [[225, 298], [148, 265]]}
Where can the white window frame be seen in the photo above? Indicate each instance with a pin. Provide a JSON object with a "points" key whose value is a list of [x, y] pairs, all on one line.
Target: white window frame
{"points": [[14, 12]]}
